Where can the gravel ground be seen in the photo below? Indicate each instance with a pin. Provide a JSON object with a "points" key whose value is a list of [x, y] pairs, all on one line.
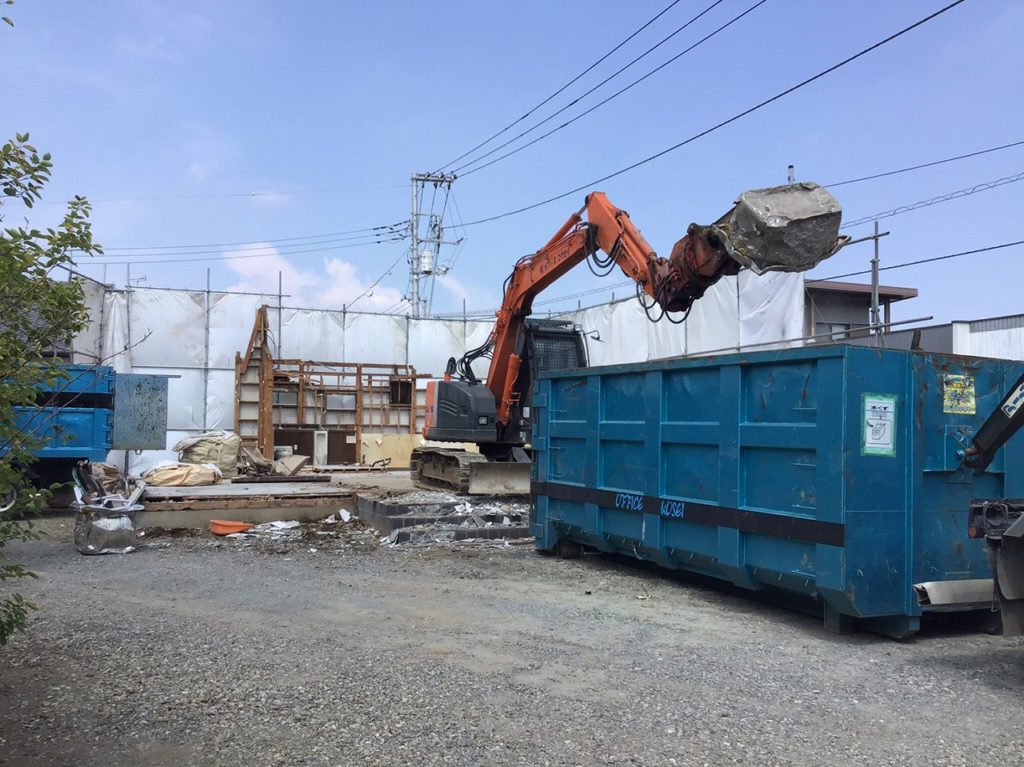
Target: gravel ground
{"points": [[200, 652]]}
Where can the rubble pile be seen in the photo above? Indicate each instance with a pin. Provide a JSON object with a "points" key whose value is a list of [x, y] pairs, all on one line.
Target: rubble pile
{"points": [[341, 531], [428, 517]]}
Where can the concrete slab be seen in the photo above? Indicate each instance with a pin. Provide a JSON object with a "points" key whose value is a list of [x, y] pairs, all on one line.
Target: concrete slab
{"points": [[229, 497], [397, 482], [200, 518], [245, 489]]}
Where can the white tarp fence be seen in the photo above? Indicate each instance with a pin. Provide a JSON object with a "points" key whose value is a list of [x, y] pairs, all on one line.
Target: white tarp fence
{"points": [[193, 336], [736, 312]]}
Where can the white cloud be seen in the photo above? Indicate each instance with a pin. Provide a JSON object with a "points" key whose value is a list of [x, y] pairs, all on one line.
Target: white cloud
{"points": [[152, 48], [339, 284], [344, 286], [198, 171], [260, 275], [204, 151]]}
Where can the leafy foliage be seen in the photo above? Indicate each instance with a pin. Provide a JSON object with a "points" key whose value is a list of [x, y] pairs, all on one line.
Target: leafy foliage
{"points": [[38, 314]]}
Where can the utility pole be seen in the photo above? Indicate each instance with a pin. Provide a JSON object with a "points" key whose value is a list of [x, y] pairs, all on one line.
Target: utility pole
{"points": [[423, 264], [875, 320]]}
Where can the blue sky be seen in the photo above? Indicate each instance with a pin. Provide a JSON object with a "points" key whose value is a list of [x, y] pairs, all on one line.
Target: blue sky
{"points": [[167, 114]]}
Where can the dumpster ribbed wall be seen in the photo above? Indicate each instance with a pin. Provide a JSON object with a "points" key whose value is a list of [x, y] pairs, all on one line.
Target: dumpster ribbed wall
{"points": [[830, 471]]}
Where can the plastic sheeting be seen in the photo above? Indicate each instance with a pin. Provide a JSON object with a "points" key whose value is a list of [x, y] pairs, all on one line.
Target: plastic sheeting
{"points": [[431, 343], [88, 348], [736, 312], [307, 334], [169, 337], [168, 324], [115, 351], [375, 338], [231, 319]]}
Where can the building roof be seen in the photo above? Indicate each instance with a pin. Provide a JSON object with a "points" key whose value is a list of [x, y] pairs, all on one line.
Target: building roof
{"points": [[885, 292]]}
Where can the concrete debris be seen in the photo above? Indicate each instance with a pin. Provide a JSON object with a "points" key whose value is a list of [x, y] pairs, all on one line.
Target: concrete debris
{"points": [[427, 496], [279, 537], [252, 462], [345, 515], [290, 465], [430, 517]]}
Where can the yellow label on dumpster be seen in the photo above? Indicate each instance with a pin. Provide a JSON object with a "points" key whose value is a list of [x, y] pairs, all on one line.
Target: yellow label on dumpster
{"points": [[958, 394]]}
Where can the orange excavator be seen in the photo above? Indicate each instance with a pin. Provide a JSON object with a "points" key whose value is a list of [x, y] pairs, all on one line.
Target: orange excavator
{"points": [[786, 228]]}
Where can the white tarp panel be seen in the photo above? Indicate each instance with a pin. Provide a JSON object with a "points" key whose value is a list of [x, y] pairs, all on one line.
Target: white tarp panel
{"points": [[771, 309], [735, 312], [477, 333], [312, 335], [88, 345], [374, 338], [231, 319], [664, 338], [713, 323], [220, 400], [116, 352], [432, 342], [172, 322]]}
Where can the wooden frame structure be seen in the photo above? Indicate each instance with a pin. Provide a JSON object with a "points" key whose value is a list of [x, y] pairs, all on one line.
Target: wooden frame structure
{"points": [[341, 398]]}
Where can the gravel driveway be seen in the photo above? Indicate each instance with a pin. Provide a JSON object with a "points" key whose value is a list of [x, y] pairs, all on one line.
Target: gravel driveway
{"points": [[200, 652]]}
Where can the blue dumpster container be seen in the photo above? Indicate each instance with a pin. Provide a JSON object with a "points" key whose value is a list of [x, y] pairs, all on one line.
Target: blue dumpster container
{"points": [[72, 417], [831, 471]]}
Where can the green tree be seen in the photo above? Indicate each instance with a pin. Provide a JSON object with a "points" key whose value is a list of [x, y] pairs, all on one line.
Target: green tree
{"points": [[38, 312]]}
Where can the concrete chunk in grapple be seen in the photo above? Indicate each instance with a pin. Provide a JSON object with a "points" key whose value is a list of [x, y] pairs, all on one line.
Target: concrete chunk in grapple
{"points": [[787, 228]]}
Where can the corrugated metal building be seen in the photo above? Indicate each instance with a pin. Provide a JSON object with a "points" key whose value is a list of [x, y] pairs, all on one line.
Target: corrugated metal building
{"points": [[999, 337]]}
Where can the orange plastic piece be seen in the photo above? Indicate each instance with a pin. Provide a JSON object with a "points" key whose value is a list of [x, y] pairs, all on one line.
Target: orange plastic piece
{"points": [[228, 526]]}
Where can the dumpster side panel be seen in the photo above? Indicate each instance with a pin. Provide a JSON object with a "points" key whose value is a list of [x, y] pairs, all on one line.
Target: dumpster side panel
{"points": [[829, 471]]}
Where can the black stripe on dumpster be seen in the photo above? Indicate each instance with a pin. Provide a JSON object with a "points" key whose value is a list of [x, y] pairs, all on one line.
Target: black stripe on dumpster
{"points": [[757, 522]]}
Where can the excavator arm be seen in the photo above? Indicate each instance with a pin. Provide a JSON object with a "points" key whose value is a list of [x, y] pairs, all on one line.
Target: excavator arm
{"points": [[759, 232], [788, 228]]}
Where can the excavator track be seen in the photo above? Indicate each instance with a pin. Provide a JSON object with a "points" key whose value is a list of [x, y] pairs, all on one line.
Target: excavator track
{"points": [[465, 473]]}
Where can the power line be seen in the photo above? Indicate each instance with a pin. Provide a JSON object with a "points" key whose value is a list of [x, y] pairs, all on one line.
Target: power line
{"points": [[724, 123], [376, 282], [657, 16], [242, 256], [612, 76], [225, 195], [924, 165], [816, 279], [936, 200], [271, 248], [369, 230], [580, 294], [925, 260]]}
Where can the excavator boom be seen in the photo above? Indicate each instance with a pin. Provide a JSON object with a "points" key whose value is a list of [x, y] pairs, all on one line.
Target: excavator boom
{"points": [[788, 228]]}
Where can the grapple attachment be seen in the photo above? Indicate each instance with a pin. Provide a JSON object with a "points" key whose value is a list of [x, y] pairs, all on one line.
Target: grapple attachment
{"points": [[787, 228]]}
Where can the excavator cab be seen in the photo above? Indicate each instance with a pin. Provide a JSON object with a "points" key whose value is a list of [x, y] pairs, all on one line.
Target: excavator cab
{"points": [[464, 411]]}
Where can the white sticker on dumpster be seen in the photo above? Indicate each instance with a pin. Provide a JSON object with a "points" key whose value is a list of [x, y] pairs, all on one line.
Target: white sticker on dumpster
{"points": [[879, 425]]}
